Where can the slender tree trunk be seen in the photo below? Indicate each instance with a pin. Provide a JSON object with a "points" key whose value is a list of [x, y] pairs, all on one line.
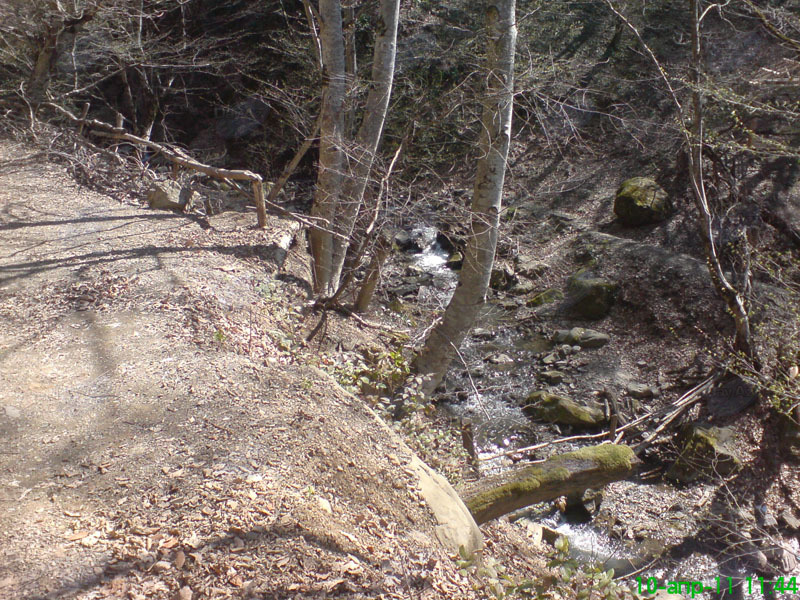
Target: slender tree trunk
{"points": [[470, 295], [329, 178], [45, 59], [369, 134], [734, 299]]}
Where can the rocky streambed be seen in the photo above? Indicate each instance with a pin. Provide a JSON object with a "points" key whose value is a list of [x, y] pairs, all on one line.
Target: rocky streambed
{"points": [[562, 353]]}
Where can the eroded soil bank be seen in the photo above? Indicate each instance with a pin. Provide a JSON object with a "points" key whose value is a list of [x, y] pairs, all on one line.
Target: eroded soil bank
{"points": [[160, 437]]}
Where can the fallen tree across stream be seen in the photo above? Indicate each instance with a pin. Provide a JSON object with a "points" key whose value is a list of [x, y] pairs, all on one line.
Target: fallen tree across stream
{"points": [[561, 475]]}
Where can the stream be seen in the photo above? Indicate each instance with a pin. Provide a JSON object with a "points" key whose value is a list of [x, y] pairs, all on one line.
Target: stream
{"points": [[638, 527]]}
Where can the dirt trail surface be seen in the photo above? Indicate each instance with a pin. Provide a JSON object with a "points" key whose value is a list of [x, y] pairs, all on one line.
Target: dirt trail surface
{"points": [[156, 442]]}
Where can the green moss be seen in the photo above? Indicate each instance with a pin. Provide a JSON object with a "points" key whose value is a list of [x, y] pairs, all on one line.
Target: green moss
{"points": [[609, 457]]}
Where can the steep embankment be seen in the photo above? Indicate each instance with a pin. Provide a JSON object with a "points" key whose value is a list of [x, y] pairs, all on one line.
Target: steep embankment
{"points": [[156, 439]]}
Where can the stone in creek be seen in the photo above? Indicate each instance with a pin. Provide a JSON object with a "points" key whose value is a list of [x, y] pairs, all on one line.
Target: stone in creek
{"points": [[557, 409], [585, 338]]}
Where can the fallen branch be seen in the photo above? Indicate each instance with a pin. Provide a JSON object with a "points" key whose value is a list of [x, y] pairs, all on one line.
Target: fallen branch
{"points": [[174, 155], [560, 475]]}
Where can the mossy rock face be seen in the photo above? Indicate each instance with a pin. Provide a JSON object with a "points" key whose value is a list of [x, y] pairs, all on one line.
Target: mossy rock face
{"points": [[641, 201], [590, 297], [545, 406], [705, 454]]}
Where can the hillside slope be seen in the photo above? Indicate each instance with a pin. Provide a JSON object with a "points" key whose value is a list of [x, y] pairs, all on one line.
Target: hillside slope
{"points": [[157, 442]]}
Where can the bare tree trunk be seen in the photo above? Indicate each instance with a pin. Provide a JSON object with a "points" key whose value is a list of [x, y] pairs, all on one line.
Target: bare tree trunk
{"points": [[45, 59], [329, 178], [371, 129], [473, 282], [736, 302]]}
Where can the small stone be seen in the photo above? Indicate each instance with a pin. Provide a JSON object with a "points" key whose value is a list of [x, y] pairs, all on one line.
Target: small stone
{"points": [[640, 391], [12, 412], [185, 593], [325, 505], [789, 519], [593, 339], [482, 334], [552, 377], [550, 359], [501, 359]]}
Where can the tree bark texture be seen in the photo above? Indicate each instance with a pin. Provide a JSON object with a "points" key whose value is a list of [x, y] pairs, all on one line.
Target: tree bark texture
{"points": [[473, 282], [331, 156], [568, 473], [362, 154]]}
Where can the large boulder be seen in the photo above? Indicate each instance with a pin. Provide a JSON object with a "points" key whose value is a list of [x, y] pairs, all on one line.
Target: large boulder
{"points": [[590, 297], [706, 452], [545, 406], [640, 201]]}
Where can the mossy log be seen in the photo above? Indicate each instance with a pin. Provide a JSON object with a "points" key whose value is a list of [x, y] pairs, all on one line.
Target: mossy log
{"points": [[561, 475]]}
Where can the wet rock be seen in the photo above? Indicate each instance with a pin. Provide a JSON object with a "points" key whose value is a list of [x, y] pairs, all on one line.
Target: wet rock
{"points": [[501, 359], [483, 334], [640, 201], [590, 297], [548, 407], [585, 338], [706, 453], [548, 296], [640, 391], [455, 262], [415, 241]]}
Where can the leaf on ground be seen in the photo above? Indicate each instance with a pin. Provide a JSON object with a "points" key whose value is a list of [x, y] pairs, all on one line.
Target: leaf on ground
{"points": [[180, 559], [78, 535]]}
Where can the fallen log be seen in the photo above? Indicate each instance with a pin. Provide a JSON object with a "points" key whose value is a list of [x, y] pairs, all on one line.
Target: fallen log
{"points": [[561, 475]]}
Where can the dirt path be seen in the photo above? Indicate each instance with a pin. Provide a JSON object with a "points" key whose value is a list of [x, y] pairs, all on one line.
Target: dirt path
{"points": [[155, 441]]}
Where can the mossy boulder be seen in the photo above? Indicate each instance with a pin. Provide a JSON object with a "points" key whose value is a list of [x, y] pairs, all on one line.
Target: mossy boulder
{"points": [[641, 201], [706, 452], [590, 297], [545, 406]]}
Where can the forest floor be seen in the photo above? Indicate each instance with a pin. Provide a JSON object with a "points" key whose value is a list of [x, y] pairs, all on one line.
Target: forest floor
{"points": [[162, 437]]}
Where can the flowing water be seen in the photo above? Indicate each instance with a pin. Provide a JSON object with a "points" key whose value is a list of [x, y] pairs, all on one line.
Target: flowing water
{"points": [[496, 368]]}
